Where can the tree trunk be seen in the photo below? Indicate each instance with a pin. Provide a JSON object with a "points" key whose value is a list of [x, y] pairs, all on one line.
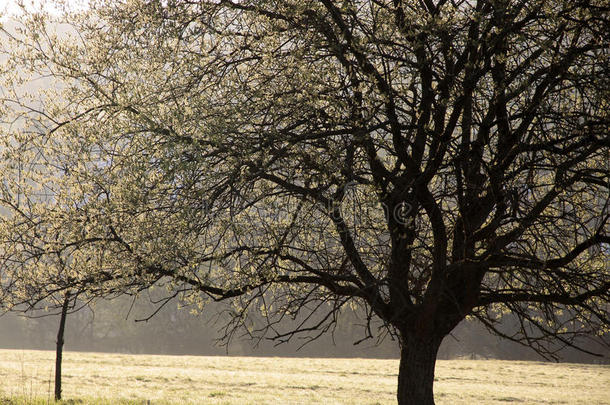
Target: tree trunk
{"points": [[416, 373], [60, 346]]}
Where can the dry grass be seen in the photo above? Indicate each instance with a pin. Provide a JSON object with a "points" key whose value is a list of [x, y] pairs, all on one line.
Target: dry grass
{"points": [[135, 379]]}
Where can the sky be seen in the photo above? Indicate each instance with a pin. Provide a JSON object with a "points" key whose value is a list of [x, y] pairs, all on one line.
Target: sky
{"points": [[10, 7]]}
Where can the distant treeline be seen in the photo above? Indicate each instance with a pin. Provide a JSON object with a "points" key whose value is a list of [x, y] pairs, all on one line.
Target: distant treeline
{"points": [[110, 326]]}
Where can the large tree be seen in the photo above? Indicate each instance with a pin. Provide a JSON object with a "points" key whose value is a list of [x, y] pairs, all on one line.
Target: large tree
{"points": [[425, 160]]}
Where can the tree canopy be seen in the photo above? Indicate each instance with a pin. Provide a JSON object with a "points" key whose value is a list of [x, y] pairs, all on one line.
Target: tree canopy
{"points": [[425, 160]]}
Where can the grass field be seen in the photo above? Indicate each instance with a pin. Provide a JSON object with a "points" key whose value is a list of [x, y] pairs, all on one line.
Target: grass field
{"points": [[25, 378]]}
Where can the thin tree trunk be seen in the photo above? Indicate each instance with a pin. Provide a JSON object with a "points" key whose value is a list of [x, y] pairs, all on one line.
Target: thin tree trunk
{"points": [[416, 373], [60, 346]]}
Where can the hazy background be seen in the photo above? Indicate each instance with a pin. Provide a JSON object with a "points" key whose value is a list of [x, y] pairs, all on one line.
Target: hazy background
{"points": [[110, 326]]}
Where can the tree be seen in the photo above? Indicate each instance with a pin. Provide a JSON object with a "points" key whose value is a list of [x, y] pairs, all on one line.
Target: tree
{"points": [[60, 344], [427, 161]]}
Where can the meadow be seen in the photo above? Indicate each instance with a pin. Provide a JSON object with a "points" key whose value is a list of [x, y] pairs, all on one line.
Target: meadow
{"points": [[99, 378]]}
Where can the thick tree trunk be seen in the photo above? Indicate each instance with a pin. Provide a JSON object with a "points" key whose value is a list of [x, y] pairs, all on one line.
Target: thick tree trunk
{"points": [[416, 373], [60, 346]]}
